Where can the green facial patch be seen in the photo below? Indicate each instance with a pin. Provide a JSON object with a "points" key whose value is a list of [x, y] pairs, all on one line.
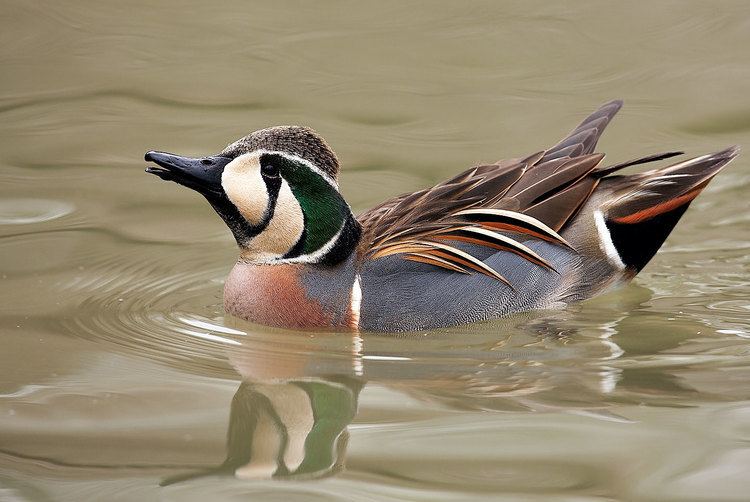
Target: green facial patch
{"points": [[323, 206]]}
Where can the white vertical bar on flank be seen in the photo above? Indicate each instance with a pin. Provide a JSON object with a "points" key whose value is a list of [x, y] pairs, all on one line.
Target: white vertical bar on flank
{"points": [[356, 302], [358, 344]]}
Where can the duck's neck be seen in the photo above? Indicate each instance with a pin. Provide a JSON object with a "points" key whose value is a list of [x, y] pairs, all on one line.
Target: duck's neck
{"points": [[344, 245], [296, 295], [340, 243]]}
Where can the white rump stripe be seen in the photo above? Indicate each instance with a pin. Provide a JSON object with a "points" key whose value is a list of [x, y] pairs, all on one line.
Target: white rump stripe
{"points": [[605, 241]]}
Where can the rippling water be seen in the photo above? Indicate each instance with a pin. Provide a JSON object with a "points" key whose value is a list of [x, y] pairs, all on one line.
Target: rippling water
{"points": [[121, 378]]}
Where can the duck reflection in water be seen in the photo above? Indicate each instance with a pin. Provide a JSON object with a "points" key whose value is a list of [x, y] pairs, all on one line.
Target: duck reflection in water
{"points": [[288, 429], [299, 393]]}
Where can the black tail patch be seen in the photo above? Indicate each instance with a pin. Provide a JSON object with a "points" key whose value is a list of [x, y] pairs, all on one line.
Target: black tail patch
{"points": [[638, 242], [649, 205]]}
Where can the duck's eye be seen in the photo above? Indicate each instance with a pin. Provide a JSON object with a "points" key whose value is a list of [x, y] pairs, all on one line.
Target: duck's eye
{"points": [[269, 170]]}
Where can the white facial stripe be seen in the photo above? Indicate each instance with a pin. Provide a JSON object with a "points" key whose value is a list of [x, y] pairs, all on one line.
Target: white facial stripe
{"points": [[315, 256], [283, 231], [307, 163], [245, 188]]}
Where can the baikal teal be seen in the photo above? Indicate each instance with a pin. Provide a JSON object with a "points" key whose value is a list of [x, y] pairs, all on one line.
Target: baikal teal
{"points": [[539, 231]]}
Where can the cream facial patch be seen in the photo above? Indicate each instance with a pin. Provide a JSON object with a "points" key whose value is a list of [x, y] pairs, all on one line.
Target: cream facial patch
{"points": [[245, 188]]}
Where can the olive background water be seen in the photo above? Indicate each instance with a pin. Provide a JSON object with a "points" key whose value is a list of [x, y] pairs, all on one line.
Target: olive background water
{"points": [[120, 377]]}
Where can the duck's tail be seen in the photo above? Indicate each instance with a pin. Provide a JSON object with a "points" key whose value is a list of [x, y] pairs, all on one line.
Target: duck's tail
{"points": [[637, 212]]}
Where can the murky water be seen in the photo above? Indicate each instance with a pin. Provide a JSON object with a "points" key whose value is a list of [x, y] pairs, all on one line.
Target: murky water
{"points": [[120, 377]]}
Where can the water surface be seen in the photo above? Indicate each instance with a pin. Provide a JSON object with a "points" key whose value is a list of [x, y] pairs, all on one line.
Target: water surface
{"points": [[120, 376]]}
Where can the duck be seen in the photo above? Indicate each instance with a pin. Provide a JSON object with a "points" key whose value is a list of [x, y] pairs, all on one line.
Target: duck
{"points": [[540, 231]]}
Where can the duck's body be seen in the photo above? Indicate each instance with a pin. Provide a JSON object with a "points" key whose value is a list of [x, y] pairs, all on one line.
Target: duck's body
{"points": [[529, 233]]}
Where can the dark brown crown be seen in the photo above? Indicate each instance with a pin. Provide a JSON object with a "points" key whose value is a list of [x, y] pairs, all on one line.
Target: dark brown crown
{"points": [[300, 141]]}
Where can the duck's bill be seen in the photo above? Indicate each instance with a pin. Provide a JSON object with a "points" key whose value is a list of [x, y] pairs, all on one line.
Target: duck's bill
{"points": [[202, 175]]}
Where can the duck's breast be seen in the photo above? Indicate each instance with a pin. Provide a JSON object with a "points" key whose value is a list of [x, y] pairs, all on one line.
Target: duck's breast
{"points": [[291, 295]]}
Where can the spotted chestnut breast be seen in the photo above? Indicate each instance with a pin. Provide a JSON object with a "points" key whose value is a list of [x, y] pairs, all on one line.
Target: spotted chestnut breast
{"points": [[534, 232]]}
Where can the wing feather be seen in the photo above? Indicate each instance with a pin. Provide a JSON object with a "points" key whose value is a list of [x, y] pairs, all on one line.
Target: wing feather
{"points": [[534, 197], [434, 260]]}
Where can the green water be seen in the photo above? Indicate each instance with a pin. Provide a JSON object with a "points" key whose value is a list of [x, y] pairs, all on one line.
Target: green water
{"points": [[119, 372]]}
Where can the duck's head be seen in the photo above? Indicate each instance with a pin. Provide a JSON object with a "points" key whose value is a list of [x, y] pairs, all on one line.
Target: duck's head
{"points": [[276, 190]]}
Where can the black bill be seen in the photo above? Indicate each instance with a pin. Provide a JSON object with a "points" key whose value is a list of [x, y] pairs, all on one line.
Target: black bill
{"points": [[202, 175]]}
